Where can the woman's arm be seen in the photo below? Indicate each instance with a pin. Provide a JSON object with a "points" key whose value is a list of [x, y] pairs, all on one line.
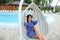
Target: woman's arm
{"points": [[35, 22]]}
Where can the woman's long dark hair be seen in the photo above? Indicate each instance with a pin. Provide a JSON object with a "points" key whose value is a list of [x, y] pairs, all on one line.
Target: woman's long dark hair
{"points": [[28, 17]]}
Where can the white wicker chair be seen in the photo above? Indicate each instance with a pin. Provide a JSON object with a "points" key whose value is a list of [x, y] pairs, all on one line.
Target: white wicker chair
{"points": [[42, 24]]}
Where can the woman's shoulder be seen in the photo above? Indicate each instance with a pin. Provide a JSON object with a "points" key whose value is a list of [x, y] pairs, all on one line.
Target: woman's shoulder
{"points": [[25, 22]]}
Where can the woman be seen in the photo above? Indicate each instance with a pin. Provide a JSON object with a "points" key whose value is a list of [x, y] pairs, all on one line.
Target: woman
{"points": [[32, 29]]}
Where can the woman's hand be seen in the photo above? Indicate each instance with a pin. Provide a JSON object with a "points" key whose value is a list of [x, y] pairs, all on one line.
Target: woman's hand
{"points": [[33, 17]]}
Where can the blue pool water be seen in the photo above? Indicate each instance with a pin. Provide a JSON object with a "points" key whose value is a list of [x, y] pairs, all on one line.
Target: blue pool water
{"points": [[9, 17], [8, 20]]}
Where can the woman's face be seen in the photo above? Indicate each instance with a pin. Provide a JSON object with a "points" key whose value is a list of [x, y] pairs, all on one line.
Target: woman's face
{"points": [[30, 19]]}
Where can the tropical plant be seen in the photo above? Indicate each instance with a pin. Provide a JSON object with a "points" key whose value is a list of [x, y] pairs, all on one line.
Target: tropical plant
{"points": [[6, 1], [27, 1], [57, 9], [9, 1], [35, 1]]}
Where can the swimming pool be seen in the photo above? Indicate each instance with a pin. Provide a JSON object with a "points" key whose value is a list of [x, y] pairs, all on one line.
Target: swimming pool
{"points": [[8, 19]]}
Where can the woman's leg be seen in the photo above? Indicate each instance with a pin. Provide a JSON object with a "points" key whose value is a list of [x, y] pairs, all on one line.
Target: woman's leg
{"points": [[39, 34]]}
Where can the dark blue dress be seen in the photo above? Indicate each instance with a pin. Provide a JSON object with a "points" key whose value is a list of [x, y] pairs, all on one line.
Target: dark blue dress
{"points": [[30, 28]]}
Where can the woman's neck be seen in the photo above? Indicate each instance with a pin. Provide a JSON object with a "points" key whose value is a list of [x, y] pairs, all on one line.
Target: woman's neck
{"points": [[29, 21]]}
